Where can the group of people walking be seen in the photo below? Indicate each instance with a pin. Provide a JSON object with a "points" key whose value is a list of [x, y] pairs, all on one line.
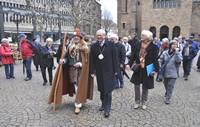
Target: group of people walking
{"points": [[107, 59]]}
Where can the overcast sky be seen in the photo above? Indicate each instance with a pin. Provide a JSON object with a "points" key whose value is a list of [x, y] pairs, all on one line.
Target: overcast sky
{"points": [[110, 5]]}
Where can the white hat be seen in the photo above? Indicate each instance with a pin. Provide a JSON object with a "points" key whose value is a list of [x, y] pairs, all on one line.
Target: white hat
{"points": [[5, 40], [49, 40]]}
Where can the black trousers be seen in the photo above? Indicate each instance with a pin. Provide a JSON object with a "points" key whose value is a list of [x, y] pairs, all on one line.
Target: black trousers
{"points": [[187, 65], [43, 70], [106, 99], [198, 63]]}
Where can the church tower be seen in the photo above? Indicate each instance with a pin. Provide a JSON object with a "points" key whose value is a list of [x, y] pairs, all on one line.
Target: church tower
{"points": [[127, 13]]}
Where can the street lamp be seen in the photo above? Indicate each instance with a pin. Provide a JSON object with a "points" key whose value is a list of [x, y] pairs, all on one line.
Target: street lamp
{"points": [[1, 22], [17, 19]]}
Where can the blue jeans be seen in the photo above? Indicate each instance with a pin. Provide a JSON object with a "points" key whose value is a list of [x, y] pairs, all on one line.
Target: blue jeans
{"points": [[28, 63], [119, 81], [9, 70]]}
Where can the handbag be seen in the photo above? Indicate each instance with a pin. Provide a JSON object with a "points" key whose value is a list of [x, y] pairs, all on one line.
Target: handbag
{"points": [[161, 71], [135, 67]]}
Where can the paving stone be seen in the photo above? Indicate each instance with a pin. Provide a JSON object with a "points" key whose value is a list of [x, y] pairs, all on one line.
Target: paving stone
{"points": [[24, 104]]}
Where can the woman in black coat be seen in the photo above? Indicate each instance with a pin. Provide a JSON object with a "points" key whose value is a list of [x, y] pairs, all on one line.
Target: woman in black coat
{"points": [[36, 53], [198, 64], [46, 62], [146, 53]]}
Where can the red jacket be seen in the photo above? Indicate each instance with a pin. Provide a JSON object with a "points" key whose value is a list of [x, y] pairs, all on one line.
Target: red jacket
{"points": [[26, 49], [6, 54]]}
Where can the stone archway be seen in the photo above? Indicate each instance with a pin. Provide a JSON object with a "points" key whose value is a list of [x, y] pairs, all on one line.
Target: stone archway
{"points": [[164, 32], [153, 30], [176, 31]]}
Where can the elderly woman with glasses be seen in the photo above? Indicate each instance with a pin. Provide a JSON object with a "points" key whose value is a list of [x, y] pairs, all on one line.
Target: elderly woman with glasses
{"points": [[146, 54]]}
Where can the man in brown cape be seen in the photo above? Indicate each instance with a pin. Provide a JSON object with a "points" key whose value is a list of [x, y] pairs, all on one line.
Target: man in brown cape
{"points": [[77, 73]]}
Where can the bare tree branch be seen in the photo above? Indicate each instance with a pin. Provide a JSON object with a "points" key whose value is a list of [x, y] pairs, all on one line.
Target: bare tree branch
{"points": [[107, 22]]}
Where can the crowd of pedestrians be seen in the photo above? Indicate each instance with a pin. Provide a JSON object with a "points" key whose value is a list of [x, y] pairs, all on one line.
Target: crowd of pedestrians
{"points": [[108, 59]]}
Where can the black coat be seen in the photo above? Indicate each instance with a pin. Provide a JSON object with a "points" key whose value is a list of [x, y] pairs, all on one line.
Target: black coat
{"points": [[141, 75], [46, 59], [121, 52], [106, 68], [36, 54], [198, 62], [133, 42]]}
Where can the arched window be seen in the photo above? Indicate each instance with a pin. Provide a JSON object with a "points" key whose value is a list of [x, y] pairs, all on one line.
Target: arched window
{"points": [[164, 32], [176, 31], [153, 30]]}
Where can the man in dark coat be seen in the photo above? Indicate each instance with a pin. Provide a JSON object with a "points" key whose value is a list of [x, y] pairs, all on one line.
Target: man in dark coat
{"points": [[103, 60], [189, 52], [36, 53], [121, 56], [133, 42], [46, 62]]}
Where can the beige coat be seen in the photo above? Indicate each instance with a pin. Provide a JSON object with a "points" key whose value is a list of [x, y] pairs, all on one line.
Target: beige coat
{"points": [[85, 84]]}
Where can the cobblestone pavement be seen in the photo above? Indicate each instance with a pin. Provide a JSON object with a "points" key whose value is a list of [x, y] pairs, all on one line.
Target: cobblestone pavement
{"points": [[24, 104]]}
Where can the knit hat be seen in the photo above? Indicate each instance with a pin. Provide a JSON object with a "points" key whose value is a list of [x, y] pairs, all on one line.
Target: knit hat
{"points": [[22, 35]]}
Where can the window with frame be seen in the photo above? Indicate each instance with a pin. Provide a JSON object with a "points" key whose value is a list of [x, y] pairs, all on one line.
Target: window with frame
{"points": [[124, 7], [124, 25], [166, 3]]}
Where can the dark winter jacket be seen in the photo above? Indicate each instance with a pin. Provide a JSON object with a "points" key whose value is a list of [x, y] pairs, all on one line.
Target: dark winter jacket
{"points": [[140, 76]]}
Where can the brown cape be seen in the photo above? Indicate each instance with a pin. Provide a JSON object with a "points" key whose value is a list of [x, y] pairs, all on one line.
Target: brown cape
{"points": [[85, 84]]}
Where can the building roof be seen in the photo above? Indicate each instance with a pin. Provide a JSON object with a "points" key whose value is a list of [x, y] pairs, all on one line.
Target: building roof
{"points": [[196, 0]]}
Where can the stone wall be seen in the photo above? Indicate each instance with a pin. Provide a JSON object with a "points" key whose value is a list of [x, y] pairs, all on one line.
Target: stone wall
{"points": [[171, 17]]}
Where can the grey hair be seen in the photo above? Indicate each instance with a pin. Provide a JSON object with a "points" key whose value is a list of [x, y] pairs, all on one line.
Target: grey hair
{"points": [[101, 31], [148, 34]]}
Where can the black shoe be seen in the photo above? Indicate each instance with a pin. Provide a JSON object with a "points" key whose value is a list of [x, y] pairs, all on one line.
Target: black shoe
{"points": [[8, 77], [27, 79], [117, 87], [186, 78], [44, 83], [50, 83], [54, 67], [101, 109], [122, 86], [106, 114], [167, 102], [13, 77]]}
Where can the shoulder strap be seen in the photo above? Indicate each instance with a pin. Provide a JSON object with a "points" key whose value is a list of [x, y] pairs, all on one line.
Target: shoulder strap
{"points": [[168, 60]]}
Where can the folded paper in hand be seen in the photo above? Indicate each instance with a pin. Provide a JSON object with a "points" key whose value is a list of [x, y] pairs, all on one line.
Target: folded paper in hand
{"points": [[150, 68]]}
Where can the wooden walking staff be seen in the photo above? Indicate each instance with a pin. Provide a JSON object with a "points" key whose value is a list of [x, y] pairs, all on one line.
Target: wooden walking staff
{"points": [[55, 96]]}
